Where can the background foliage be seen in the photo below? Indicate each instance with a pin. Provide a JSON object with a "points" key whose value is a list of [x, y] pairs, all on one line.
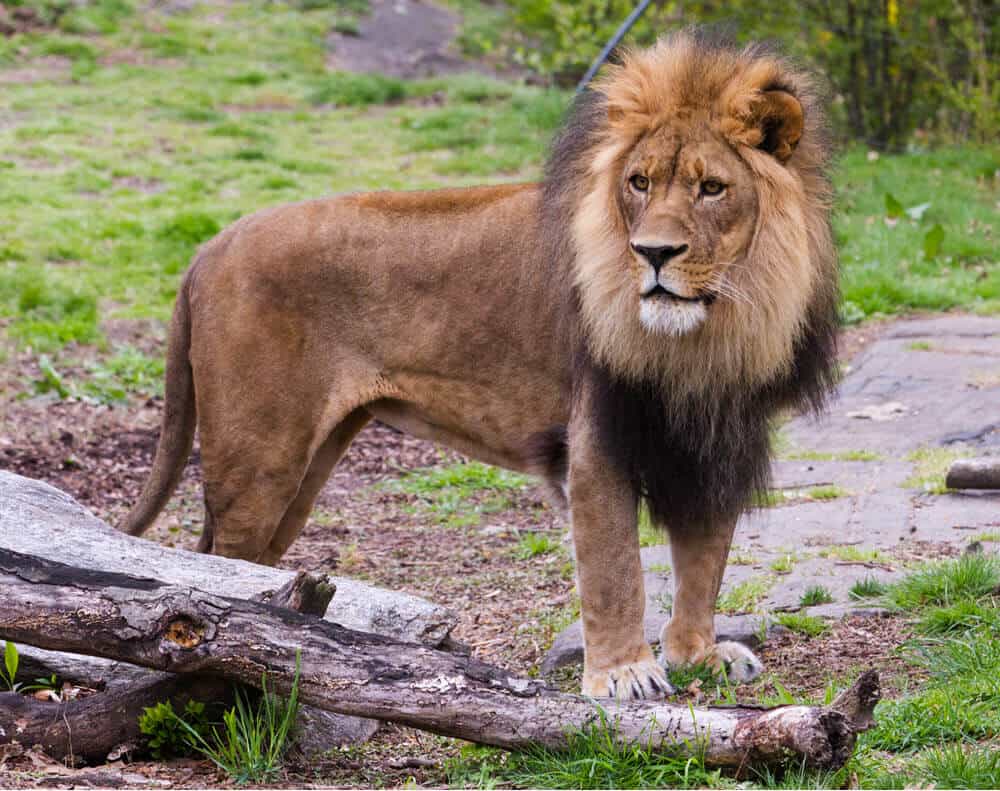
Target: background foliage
{"points": [[894, 66]]}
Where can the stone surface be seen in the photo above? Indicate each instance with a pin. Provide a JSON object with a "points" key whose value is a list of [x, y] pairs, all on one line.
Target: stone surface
{"points": [[946, 374], [38, 519]]}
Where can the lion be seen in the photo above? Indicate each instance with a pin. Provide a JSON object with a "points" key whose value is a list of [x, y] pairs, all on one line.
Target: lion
{"points": [[625, 329]]}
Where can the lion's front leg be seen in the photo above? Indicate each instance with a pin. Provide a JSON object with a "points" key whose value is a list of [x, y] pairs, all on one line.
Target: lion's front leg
{"points": [[618, 663], [699, 561]]}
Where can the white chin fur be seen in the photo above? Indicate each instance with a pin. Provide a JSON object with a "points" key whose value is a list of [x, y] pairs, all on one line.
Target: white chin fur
{"points": [[671, 318]]}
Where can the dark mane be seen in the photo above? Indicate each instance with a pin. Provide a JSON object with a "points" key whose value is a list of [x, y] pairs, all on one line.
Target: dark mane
{"points": [[696, 461]]}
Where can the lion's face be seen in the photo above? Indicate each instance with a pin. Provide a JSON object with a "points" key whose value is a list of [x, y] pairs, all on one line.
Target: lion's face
{"points": [[690, 180], [690, 208]]}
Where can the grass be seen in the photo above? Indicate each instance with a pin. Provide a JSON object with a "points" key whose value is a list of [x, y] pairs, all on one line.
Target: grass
{"points": [[884, 268], [768, 498], [848, 553], [930, 466], [989, 535], [209, 116], [593, 760], [867, 588], [828, 492], [532, 545], [738, 556], [459, 494], [745, 596], [946, 582], [809, 625], [253, 738], [816, 595], [649, 535], [846, 455], [960, 766], [784, 563]]}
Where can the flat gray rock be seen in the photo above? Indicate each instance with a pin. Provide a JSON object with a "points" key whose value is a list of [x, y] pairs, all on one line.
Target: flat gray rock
{"points": [[37, 519], [925, 384]]}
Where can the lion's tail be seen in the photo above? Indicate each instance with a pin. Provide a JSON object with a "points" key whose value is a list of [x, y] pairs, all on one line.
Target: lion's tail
{"points": [[179, 418]]}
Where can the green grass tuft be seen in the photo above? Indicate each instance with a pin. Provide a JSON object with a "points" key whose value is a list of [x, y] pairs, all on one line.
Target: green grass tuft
{"points": [[346, 89], [946, 582], [809, 625], [745, 596], [959, 766], [868, 588], [852, 554], [962, 616], [459, 494], [533, 544], [829, 492], [593, 760], [816, 595]]}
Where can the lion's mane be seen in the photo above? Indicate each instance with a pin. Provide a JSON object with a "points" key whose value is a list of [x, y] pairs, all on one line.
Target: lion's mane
{"points": [[687, 419]]}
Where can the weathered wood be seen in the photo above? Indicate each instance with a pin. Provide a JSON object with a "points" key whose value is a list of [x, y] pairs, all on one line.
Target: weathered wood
{"points": [[102, 726], [303, 593], [40, 520], [974, 474], [185, 630], [105, 725]]}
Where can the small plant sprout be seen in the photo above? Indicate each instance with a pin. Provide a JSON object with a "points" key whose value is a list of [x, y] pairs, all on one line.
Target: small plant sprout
{"points": [[252, 740], [533, 544], [784, 563]]}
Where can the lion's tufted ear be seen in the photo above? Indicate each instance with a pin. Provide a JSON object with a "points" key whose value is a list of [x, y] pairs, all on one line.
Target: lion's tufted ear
{"points": [[778, 117]]}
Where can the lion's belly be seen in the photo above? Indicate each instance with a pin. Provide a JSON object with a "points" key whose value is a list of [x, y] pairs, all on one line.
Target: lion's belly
{"points": [[478, 420]]}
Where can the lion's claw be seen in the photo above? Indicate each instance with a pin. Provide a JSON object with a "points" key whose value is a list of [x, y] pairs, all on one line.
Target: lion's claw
{"points": [[635, 681]]}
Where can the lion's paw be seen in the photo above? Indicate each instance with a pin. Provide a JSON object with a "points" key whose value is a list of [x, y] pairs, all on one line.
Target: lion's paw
{"points": [[633, 681], [739, 662]]}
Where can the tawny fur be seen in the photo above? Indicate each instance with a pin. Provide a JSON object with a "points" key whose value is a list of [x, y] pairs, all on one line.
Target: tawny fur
{"points": [[505, 322]]}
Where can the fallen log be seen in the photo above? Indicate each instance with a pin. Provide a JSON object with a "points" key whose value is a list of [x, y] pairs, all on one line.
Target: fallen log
{"points": [[185, 630], [974, 474], [104, 725]]}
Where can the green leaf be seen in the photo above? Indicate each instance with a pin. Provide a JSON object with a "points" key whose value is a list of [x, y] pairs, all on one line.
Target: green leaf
{"points": [[11, 661], [893, 208], [932, 242]]}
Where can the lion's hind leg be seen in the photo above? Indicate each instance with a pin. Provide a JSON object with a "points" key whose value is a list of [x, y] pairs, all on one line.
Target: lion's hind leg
{"points": [[699, 561], [323, 462]]}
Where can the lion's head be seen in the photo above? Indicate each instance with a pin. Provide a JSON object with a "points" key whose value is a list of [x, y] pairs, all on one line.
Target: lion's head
{"points": [[687, 190]]}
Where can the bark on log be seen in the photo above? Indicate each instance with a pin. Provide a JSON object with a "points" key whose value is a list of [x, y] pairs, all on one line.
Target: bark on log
{"points": [[974, 474], [38, 519], [185, 630], [104, 726]]}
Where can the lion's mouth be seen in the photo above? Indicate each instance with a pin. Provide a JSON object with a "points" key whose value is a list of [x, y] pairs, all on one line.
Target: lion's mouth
{"points": [[659, 292]]}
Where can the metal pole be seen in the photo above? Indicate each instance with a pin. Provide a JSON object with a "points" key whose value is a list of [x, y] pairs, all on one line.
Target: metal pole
{"points": [[615, 40]]}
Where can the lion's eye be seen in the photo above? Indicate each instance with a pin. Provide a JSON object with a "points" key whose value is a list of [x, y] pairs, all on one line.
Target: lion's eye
{"points": [[712, 187], [639, 182]]}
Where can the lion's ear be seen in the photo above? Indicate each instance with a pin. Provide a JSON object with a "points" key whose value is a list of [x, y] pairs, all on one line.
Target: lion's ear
{"points": [[779, 118]]}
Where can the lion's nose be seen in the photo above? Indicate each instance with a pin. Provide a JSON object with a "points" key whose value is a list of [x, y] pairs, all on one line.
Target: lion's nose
{"points": [[658, 256]]}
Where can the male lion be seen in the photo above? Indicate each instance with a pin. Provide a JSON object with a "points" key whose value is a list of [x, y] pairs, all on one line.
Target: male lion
{"points": [[626, 330]]}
